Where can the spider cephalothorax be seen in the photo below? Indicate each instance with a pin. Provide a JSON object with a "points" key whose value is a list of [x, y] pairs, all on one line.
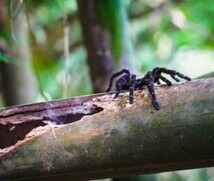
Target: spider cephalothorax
{"points": [[130, 82]]}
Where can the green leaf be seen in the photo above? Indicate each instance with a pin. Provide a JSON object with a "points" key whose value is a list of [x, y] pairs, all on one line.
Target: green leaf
{"points": [[3, 58]]}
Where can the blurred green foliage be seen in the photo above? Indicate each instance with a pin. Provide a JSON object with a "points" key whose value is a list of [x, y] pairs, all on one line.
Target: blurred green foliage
{"points": [[159, 30], [3, 57], [162, 28]]}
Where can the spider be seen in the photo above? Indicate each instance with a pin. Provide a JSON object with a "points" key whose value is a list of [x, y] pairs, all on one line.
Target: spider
{"points": [[130, 82]]}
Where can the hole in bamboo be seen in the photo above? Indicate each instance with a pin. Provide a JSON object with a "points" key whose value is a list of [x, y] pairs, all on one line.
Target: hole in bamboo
{"points": [[74, 114], [10, 133]]}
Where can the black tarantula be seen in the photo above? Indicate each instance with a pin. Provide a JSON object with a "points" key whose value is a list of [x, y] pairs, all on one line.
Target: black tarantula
{"points": [[130, 82]]}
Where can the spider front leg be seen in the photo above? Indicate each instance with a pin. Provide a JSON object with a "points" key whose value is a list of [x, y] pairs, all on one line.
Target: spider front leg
{"points": [[120, 83], [116, 75], [123, 84], [149, 81]]}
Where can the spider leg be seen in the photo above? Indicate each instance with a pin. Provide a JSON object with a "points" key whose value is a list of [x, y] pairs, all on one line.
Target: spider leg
{"points": [[119, 85], [158, 81], [156, 75], [116, 75], [182, 76], [150, 84], [169, 83], [132, 88], [173, 76], [172, 73]]}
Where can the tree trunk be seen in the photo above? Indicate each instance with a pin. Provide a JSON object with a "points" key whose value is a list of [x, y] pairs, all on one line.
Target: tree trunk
{"points": [[110, 138], [108, 46], [97, 45]]}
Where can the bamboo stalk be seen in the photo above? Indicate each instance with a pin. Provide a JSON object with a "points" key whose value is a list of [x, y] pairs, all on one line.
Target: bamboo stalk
{"points": [[115, 138]]}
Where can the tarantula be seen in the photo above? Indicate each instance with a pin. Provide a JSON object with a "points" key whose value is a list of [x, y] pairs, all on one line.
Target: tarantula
{"points": [[130, 82]]}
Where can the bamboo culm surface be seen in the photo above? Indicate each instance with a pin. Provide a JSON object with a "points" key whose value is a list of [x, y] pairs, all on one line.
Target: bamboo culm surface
{"points": [[97, 136]]}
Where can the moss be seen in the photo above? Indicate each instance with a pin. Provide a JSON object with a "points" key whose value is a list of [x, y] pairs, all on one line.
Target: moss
{"points": [[210, 116], [160, 122], [32, 142], [134, 126], [178, 108]]}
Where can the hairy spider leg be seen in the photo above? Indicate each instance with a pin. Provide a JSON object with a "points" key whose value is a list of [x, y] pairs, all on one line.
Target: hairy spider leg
{"points": [[183, 76], [116, 75], [119, 84], [158, 81], [172, 73], [169, 83], [156, 73], [132, 88], [173, 76], [149, 81]]}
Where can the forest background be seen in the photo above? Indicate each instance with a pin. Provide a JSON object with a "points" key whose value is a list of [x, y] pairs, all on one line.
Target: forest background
{"points": [[45, 54]]}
